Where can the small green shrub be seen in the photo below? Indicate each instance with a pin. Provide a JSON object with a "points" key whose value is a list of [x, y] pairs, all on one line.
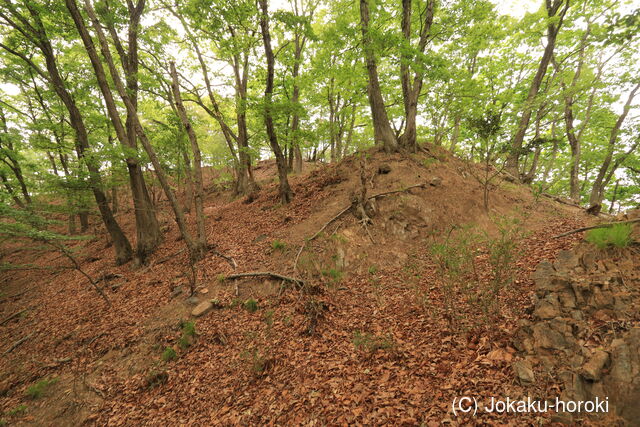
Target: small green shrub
{"points": [[258, 363], [373, 269], [251, 305], [618, 235], [189, 328], [278, 245], [371, 343], [334, 274], [169, 354], [17, 410], [36, 390]]}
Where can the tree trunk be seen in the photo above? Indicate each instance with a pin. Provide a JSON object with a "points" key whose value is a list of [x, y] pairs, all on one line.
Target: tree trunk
{"points": [[382, 131], [513, 159], [131, 110], [597, 191], [411, 90], [121, 245], [284, 191], [201, 243], [148, 231]]}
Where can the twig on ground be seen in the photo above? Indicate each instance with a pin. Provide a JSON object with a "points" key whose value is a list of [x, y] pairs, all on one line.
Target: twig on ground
{"points": [[300, 282], [17, 313], [17, 343], [607, 224]]}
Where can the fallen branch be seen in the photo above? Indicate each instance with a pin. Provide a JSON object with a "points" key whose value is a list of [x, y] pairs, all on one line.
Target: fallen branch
{"points": [[17, 313], [560, 200], [17, 343], [344, 211], [264, 273], [229, 259], [15, 295], [607, 224]]}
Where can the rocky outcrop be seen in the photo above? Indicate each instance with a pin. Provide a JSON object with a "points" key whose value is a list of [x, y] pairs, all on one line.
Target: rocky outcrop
{"points": [[585, 330]]}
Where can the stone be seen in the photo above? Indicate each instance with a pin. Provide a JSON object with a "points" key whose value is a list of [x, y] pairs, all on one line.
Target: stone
{"points": [[523, 371], [201, 308], [566, 260], [436, 181], [192, 300], [546, 310], [592, 370], [546, 337]]}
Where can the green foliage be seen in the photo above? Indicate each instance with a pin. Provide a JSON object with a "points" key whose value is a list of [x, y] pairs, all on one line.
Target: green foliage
{"points": [[334, 274], [258, 362], [36, 390], [17, 410], [188, 334], [371, 343], [168, 354], [278, 245], [618, 235], [251, 305]]}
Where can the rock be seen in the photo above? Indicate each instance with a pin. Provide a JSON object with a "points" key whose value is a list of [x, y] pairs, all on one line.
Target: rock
{"points": [[201, 308], [546, 337], [592, 370], [193, 300], [436, 181], [546, 310], [523, 371], [566, 260], [384, 169]]}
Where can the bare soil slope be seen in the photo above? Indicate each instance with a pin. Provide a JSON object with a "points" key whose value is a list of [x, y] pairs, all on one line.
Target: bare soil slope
{"points": [[364, 341]]}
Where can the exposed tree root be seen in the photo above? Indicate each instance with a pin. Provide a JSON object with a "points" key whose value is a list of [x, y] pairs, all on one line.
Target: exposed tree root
{"points": [[344, 211], [17, 343]]}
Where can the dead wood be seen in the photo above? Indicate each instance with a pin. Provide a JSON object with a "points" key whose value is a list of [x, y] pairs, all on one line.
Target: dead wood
{"points": [[266, 274], [17, 343], [608, 224], [17, 313]]}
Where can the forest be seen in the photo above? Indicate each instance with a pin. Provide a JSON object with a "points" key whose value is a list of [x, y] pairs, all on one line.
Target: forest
{"points": [[235, 162]]}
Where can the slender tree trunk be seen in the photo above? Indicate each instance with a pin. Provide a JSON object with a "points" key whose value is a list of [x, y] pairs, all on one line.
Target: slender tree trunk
{"points": [[97, 65], [614, 197], [121, 245], [197, 162], [382, 131], [411, 89], [597, 191], [513, 159], [148, 231], [11, 191], [285, 191]]}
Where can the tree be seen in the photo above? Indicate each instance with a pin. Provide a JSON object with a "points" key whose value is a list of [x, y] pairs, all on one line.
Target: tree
{"points": [[383, 133], [556, 11], [284, 191], [26, 20]]}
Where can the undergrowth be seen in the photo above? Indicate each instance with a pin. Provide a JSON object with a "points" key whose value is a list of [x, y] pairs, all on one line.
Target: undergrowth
{"points": [[36, 390], [618, 235]]}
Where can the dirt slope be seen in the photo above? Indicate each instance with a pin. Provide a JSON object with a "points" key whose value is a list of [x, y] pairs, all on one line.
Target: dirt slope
{"points": [[364, 342]]}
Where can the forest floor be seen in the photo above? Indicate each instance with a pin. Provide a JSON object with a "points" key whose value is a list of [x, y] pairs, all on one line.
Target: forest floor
{"points": [[373, 337]]}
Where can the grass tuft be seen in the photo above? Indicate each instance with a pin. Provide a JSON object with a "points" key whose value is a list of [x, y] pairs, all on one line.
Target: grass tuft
{"points": [[618, 235]]}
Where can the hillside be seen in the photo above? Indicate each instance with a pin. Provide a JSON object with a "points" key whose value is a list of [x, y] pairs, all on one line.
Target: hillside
{"points": [[369, 335]]}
